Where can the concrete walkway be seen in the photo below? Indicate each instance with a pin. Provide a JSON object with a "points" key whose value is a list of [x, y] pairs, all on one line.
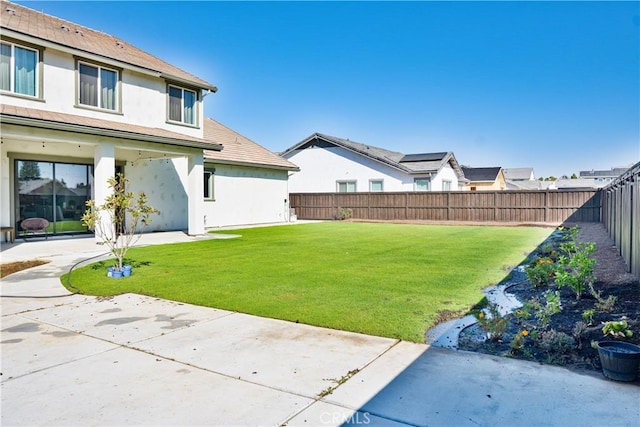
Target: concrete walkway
{"points": [[134, 360]]}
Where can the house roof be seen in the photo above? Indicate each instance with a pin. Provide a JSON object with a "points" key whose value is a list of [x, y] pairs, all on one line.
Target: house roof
{"points": [[46, 28], [518, 174], [481, 174], [411, 163], [240, 150], [10, 114], [613, 173]]}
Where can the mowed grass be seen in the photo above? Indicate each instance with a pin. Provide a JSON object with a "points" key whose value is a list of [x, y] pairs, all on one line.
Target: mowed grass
{"points": [[390, 280]]}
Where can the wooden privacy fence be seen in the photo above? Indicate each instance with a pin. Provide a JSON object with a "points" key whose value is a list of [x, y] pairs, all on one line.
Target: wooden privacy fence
{"points": [[621, 216], [547, 206]]}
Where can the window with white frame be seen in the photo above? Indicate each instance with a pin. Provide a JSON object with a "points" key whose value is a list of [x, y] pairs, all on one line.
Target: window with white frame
{"points": [[97, 86], [446, 185], [346, 186], [19, 69], [208, 184], [422, 184], [376, 186], [182, 105]]}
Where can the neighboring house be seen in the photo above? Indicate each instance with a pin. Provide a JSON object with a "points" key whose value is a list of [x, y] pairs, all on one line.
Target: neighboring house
{"points": [[484, 179], [244, 183], [518, 174], [602, 177], [79, 105], [329, 164]]}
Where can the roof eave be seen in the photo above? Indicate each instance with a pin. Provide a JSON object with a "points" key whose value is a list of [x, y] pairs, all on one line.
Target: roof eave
{"points": [[251, 164], [7, 32], [113, 133]]}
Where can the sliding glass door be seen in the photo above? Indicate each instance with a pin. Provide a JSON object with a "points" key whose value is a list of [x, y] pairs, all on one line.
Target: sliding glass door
{"points": [[56, 192]]}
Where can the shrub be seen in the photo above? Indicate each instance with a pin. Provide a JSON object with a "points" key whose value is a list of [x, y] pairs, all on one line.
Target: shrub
{"points": [[575, 267], [540, 272], [492, 322], [556, 344]]}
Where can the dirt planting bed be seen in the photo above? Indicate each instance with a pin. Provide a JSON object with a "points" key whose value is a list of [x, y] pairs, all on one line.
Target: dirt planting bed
{"points": [[559, 341]]}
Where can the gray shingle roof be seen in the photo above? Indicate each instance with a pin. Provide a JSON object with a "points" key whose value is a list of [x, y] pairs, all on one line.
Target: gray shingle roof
{"points": [[45, 27], [481, 174], [517, 174], [411, 163], [240, 150]]}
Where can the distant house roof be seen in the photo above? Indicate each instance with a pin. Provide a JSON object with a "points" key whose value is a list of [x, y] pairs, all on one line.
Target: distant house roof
{"points": [[240, 150], [410, 163], [45, 29], [613, 173], [576, 183], [481, 174], [10, 114], [518, 174]]}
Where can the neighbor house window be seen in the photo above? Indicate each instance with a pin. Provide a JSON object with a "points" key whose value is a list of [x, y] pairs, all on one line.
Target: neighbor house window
{"points": [[375, 186], [422, 184], [19, 69], [346, 186], [97, 86], [446, 185], [208, 184], [182, 105]]}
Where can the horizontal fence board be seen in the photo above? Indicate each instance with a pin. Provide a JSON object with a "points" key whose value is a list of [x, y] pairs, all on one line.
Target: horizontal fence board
{"points": [[490, 206]]}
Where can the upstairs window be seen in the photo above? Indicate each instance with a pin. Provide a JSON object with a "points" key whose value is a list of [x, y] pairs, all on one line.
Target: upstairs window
{"points": [[446, 185], [98, 87], [182, 105], [19, 69]]}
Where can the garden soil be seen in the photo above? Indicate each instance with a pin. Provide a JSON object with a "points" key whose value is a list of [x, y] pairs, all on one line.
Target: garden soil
{"points": [[612, 278]]}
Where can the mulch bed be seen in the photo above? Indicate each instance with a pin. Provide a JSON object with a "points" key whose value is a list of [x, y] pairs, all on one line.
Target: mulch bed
{"points": [[612, 278]]}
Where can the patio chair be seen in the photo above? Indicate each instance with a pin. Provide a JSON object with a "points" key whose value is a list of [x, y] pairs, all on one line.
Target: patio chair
{"points": [[33, 225]]}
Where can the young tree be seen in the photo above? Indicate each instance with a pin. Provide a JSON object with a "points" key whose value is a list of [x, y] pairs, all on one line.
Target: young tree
{"points": [[108, 219]]}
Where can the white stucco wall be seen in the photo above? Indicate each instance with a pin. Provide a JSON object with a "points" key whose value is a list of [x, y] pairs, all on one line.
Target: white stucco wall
{"points": [[321, 168], [144, 99], [244, 195], [164, 182]]}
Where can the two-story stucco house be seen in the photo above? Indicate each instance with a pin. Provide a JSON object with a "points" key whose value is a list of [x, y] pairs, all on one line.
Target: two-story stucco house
{"points": [[78, 106], [329, 164]]}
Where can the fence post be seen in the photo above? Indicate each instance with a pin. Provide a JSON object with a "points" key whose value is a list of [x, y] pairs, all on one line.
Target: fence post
{"points": [[546, 206], [449, 206], [406, 205]]}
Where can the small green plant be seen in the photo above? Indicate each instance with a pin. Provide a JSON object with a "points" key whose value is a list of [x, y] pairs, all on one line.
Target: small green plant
{"points": [[579, 329], [617, 329], [575, 266], [518, 341], [556, 344], [544, 311], [344, 213], [587, 315], [607, 304], [492, 322], [540, 272]]}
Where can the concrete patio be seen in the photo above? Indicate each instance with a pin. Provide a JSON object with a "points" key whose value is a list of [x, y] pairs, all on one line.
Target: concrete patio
{"points": [[136, 360]]}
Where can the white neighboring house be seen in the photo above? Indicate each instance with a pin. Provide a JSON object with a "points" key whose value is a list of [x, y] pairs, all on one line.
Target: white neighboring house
{"points": [[244, 183], [79, 105], [329, 164]]}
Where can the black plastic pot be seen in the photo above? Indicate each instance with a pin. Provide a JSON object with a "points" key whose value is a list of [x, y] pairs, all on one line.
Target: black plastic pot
{"points": [[620, 360]]}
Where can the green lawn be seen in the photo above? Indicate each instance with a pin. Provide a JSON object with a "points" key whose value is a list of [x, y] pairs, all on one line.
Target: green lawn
{"points": [[389, 280]]}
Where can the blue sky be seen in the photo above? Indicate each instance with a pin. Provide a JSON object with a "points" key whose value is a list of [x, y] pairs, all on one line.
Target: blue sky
{"points": [[549, 85]]}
